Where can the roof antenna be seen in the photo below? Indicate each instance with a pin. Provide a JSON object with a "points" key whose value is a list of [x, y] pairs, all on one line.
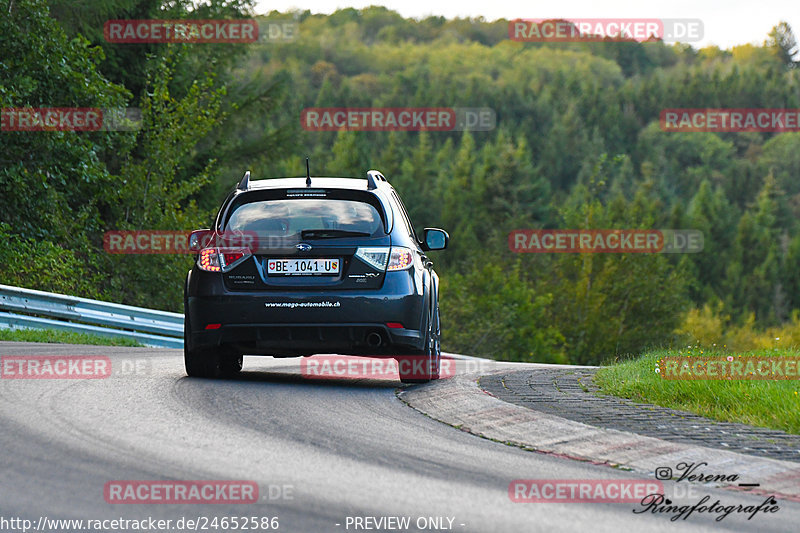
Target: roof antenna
{"points": [[308, 174]]}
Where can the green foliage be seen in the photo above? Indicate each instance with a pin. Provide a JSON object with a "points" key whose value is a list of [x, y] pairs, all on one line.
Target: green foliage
{"points": [[783, 42], [492, 312], [616, 304], [62, 190], [577, 145], [151, 196], [62, 337], [49, 181], [767, 403], [43, 265], [755, 279], [613, 304]]}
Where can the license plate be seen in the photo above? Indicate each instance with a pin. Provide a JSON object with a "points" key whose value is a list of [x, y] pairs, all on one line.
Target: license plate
{"points": [[303, 267]]}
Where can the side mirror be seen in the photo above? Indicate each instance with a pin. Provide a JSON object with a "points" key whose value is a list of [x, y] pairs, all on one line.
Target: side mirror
{"points": [[434, 239], [199, 239]]}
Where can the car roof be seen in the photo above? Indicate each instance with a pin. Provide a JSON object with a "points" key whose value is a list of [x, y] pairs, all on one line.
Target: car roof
{"points": [[327, 182]]}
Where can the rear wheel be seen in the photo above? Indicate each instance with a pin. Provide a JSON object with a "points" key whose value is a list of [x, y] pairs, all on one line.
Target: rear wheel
{"points": [[208, 362], [193, 360], [424, 367], [436, 346], [231, 363]]}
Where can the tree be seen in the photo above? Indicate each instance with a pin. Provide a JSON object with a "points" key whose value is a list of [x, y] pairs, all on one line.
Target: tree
{"points": [[347, 159], [151, 195], [782, 41], [491, 311], [755, 275], [711, 213], [461, 210], [50, 180], [612, 304]]}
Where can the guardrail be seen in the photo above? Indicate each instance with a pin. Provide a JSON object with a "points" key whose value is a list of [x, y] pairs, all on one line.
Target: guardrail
{"points": [[146, 326]]}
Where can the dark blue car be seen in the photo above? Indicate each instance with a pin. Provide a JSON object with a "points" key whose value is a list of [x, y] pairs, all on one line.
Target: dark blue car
{"points": [[302, 266]]}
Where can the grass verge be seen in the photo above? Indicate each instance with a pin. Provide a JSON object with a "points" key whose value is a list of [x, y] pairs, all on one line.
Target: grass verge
{"points": [[62, 337], [768, 403]]}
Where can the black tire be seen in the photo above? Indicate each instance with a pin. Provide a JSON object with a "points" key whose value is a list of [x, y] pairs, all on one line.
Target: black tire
{"points": [[191, 361], [231, 363], [437, 344], [432, 352], [208, 362], [202, 363], [198, 362]]}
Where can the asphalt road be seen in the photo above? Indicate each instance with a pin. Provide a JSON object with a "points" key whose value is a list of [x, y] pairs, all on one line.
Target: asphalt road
{"points": [[320, 452]]}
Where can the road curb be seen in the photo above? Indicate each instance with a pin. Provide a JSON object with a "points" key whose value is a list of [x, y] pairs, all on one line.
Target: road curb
{"points": [[461, 403]]}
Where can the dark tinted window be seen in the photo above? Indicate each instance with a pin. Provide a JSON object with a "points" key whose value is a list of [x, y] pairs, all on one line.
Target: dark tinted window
{"points": [[292, 216]]}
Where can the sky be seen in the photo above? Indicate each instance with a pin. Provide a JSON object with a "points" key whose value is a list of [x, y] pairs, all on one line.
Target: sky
{"points": [[725, 23]]}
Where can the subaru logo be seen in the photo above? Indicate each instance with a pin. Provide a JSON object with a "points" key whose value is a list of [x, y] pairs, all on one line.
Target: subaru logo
{"points": [[303, 247]]}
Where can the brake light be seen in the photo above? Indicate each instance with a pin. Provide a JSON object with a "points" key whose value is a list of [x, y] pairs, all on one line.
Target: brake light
{"points": [[221, 259], [386, 258], [232, 257], [400, 259], [209, 260]]}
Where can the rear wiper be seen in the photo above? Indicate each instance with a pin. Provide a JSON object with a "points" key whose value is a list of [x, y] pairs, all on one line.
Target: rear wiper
{"points": [[330, 233]]}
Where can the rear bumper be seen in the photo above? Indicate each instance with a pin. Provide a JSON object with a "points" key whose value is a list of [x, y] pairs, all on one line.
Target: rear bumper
{"points": [[306, 322], [308, 339]]}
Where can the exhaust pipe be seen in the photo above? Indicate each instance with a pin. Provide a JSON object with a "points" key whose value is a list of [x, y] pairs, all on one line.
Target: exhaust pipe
{"points": [[374, 340]]}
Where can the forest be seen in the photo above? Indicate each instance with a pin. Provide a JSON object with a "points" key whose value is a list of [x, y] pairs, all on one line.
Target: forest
{"points": [[577, 144]]}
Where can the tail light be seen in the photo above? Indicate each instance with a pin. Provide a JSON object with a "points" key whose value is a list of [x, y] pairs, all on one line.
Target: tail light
{"points": [[400, 259], [385, 258], [221, 259], [374, 257]]}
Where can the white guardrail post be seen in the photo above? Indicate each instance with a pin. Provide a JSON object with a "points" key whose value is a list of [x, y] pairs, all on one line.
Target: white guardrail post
{"points": [[146, 326]]}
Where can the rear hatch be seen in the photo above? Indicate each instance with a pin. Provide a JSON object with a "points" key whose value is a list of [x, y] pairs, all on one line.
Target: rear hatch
{"points": [[301, 239]]}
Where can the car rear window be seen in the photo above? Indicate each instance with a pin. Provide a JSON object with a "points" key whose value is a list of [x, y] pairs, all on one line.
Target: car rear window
{"points": [[290, 217]]}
